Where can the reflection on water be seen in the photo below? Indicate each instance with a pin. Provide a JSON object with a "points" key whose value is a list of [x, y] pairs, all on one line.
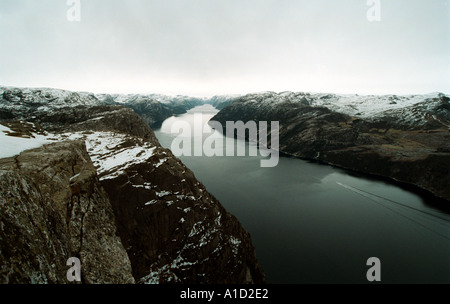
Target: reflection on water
{"points": [[314, 223]]}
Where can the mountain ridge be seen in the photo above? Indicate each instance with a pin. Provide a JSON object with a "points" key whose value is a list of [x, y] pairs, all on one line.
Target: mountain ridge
{"points": [[410, 144], [171, 229]]}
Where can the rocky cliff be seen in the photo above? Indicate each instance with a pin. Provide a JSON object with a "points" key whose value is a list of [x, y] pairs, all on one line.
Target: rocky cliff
{"points": [[405, 138], [107, 192], [52, 208]]}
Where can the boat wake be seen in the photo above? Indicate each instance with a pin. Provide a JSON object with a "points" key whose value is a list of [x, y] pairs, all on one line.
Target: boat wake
{"points": [[402, 210]]}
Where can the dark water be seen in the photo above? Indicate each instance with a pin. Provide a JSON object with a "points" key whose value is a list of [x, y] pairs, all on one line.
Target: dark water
{"points": [[313, 223]]}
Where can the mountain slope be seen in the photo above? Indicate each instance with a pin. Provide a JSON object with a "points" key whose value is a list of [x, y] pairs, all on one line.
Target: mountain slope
{"points": [[405, 138]]}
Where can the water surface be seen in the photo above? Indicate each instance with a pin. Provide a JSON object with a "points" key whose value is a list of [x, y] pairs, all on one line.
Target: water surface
{"points": [[312, 223]]}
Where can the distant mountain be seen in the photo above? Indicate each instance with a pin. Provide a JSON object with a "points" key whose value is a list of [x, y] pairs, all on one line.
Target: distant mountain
{"points": [[20, 102], [405, 138], [153, 108], [220, 102]]}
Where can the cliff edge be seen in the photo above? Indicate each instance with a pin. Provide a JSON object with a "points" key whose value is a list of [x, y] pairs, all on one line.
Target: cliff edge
{"points": [[101, 188]]}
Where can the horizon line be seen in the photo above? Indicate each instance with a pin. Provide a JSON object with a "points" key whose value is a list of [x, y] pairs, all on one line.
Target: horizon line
{"points": [[206, 96]]}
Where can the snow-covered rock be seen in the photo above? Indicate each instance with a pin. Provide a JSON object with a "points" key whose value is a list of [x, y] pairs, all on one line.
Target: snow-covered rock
{"points": [[13, 143], [409, 110]]}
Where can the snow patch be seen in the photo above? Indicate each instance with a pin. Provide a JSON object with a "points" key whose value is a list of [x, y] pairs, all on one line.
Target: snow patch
{"points": [[12, 145], [74, 177], [163, 193], [235, 244], [110, 159], [161, 161], [152, 202]]}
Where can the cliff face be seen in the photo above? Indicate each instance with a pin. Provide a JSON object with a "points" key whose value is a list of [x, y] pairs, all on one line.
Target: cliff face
{"points": [[172, 226], [403, 138], [52, 207], [169, 228], [153, 108]]}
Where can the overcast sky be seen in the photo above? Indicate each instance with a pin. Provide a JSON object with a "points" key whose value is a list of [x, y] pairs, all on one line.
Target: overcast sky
{"points": [[208, 47]]}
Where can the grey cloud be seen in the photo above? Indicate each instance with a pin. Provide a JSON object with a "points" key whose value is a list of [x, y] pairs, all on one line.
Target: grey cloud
{"points": [[204, 47]]}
